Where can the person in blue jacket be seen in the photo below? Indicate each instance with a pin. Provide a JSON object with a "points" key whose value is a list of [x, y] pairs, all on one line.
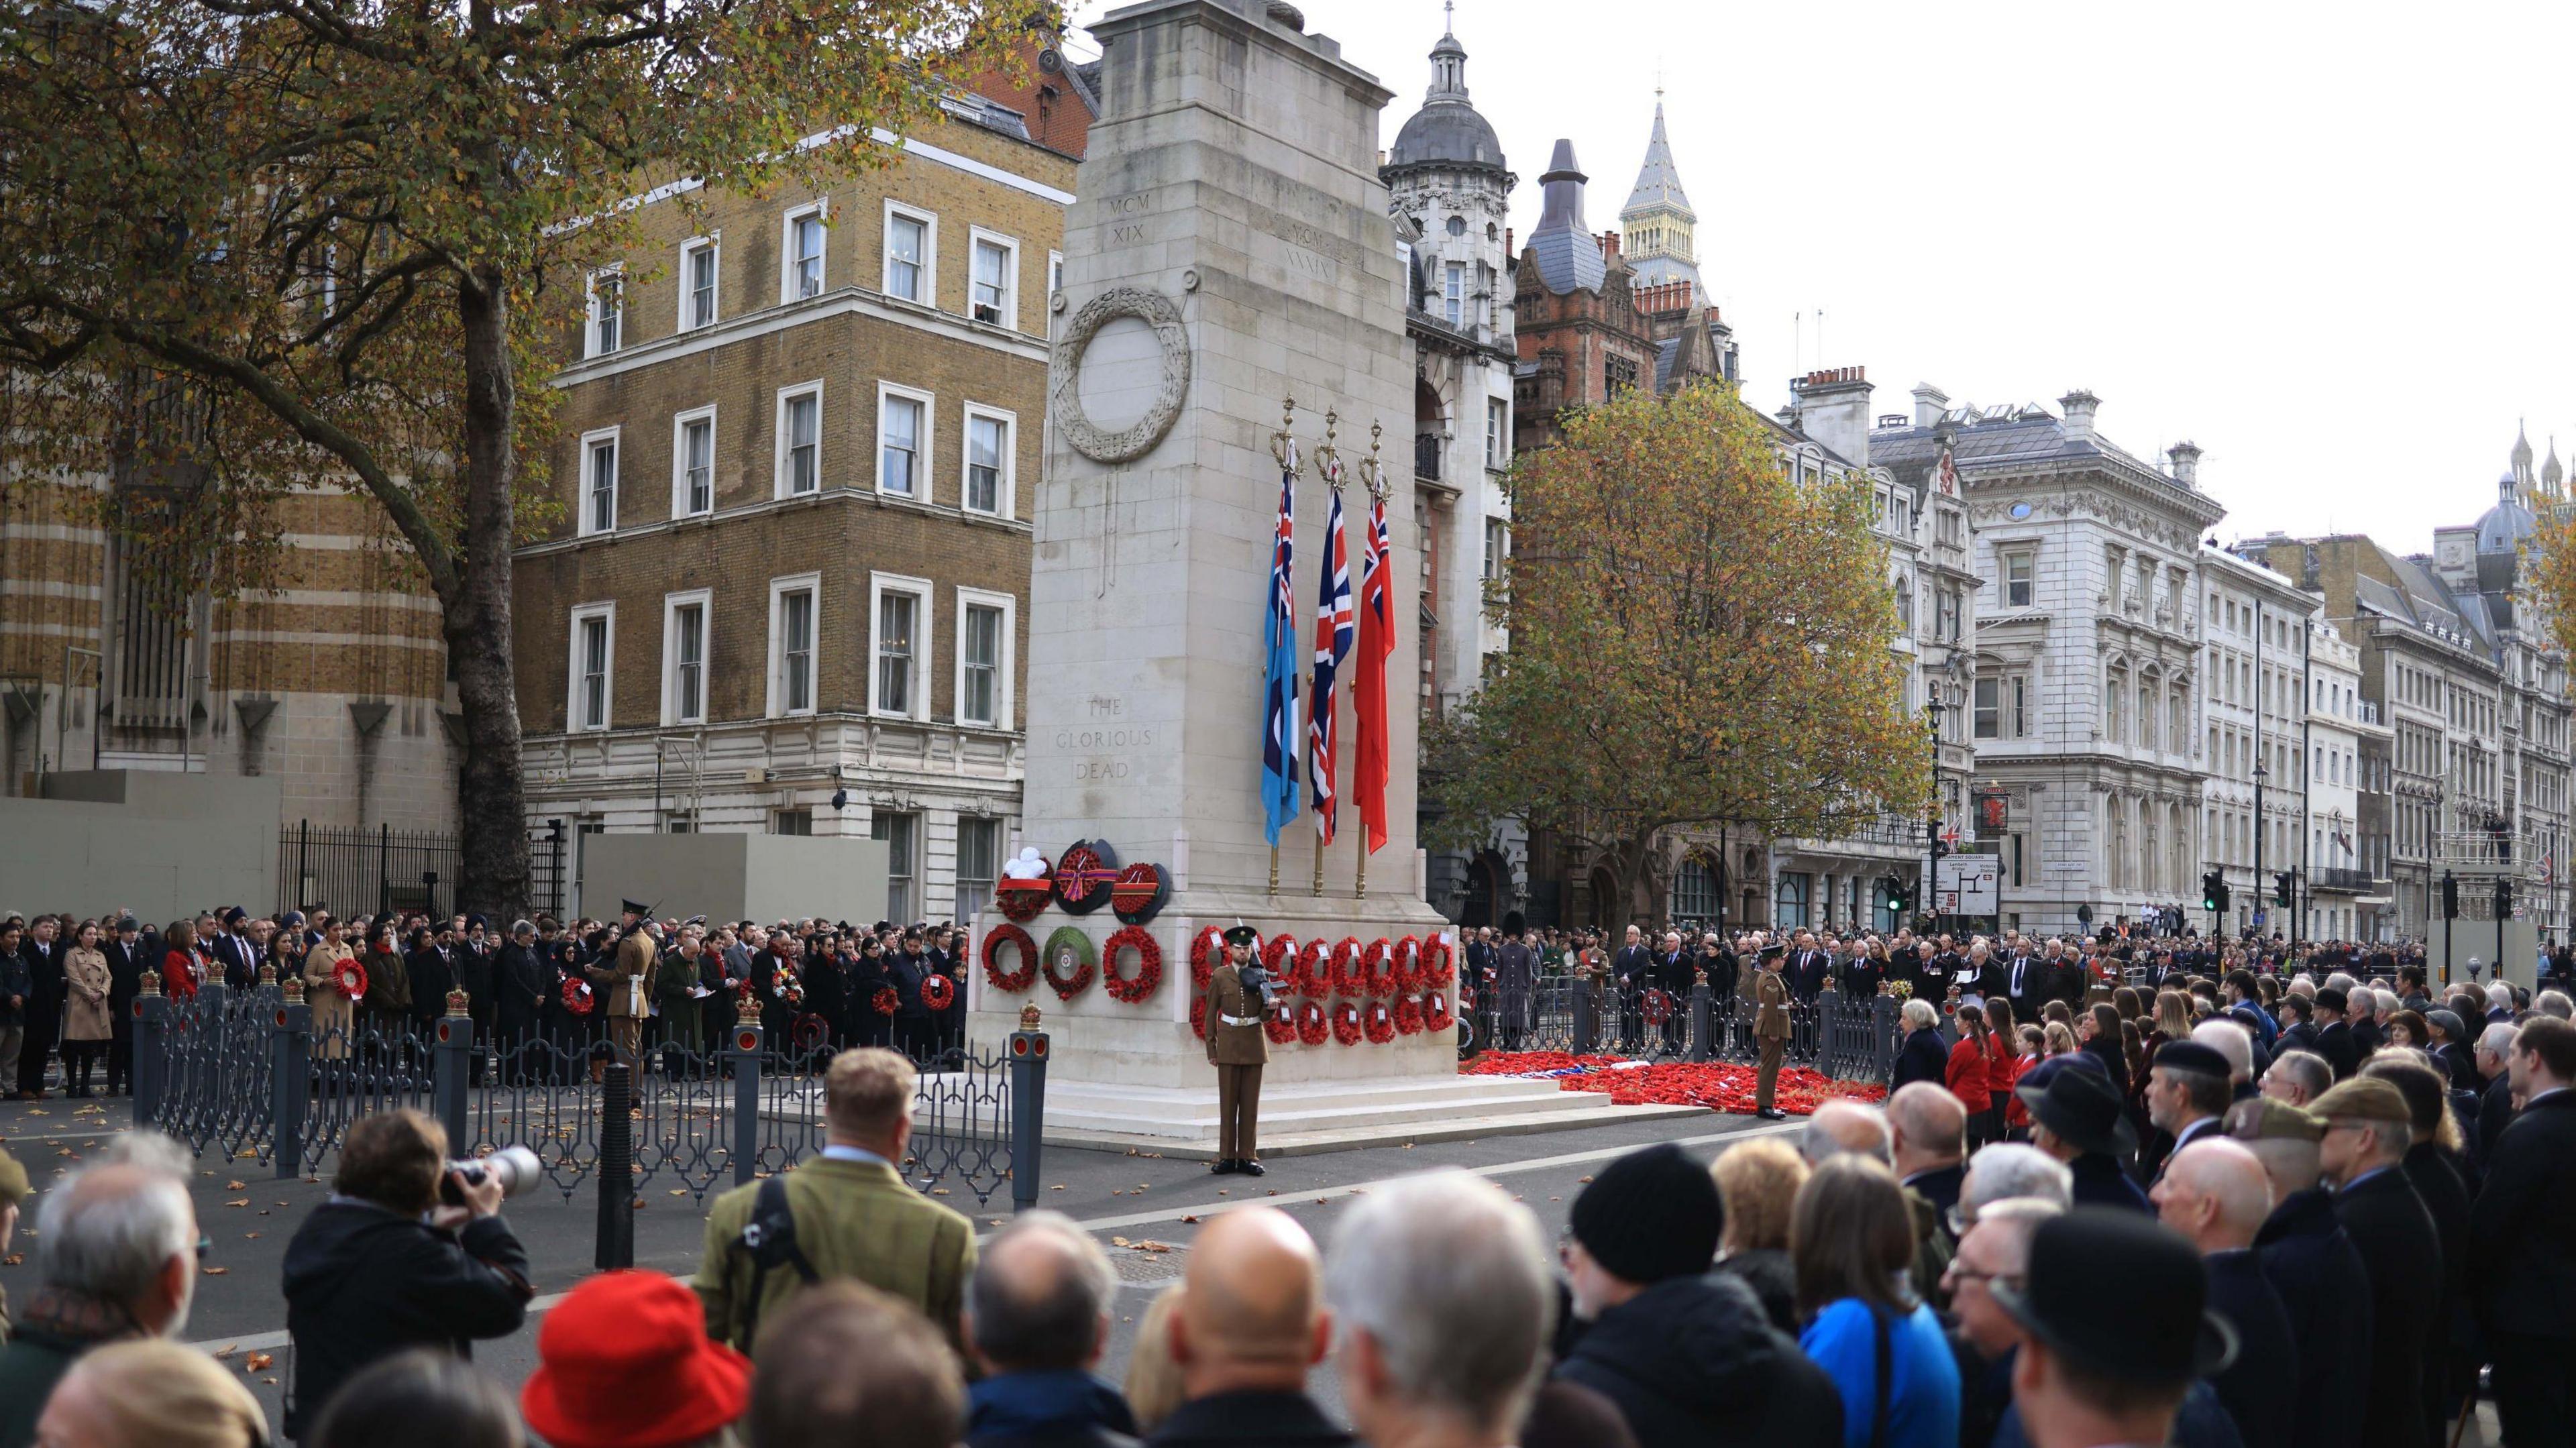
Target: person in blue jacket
{"points": [[1851, 1239]]}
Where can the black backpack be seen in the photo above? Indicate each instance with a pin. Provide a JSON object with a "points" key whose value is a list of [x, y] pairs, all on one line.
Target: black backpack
{"points": [[769, 1239]]}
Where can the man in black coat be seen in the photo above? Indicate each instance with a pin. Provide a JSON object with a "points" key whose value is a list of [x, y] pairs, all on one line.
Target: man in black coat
{"points": [[2334, 1039], [382, 1266], [1807, 968], [126, 961], [914, 1027], [2363, 1153], [43, 952], [2310, 1261], [431, 966], [2450, 1364], [2522, 1241], [521, 981], [1685, 1353], [2024, 980], [2214, 1192]]}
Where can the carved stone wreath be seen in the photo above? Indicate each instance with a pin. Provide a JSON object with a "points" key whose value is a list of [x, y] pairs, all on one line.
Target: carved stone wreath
{"points": [[1064, 383]]}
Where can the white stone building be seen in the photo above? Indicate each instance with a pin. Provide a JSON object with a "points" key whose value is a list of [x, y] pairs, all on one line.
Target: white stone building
{"points": [[2337, 882], [1450, 192], [1920, 515], [2085, 687], [2254, 805]]}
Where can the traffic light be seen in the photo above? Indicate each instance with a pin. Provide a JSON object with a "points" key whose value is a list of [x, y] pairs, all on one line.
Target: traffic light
{"points": [[2283, 884], [2213, 891], [2450, 896], [1893, 894], [2503, 900]]}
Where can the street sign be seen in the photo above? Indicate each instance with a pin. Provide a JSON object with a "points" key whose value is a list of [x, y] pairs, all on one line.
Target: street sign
{"points": [[1969, 885]]}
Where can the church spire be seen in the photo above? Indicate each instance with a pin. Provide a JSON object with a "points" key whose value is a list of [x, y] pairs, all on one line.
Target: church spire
{"points": [[1655, 227], [1658, 184], [1448, 63]]}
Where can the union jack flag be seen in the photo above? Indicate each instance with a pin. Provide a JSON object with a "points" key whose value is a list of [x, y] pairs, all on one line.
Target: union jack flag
{"points": [[1333, 628], [1279, 636]]}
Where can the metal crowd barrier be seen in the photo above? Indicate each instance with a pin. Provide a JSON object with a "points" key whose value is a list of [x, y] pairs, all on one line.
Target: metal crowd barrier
{"points": [[246, 1072], [1853, 1039]]}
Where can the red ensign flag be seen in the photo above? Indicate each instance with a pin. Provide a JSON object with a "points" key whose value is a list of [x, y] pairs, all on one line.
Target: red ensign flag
{"points": [[1368, 691]]}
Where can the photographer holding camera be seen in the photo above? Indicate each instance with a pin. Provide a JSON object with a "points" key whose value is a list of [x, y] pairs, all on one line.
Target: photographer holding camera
{"points": [[391, 1261]]}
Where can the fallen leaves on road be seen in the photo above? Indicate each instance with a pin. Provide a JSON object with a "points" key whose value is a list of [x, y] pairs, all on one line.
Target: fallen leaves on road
{"points": [[244, 1202], [13, 1259], [228, 1349], [1117, 1241], [1150, 1245], [214, 1271], [236, 1186], [259, 1362], [1189, 1221]]}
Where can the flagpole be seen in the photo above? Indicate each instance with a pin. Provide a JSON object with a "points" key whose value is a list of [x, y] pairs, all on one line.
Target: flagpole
{"points": [[1373, 480], [1328, 466], [1283, 447]]}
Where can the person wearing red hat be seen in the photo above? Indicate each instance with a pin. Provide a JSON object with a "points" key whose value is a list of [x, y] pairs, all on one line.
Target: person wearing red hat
{"points": [[624, 1362]]}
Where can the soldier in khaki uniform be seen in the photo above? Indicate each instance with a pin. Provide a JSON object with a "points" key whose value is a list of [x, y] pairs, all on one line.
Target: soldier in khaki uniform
{"points": [[1238, 1050], [1771, 1028], [626, 990], [853, 1215]]}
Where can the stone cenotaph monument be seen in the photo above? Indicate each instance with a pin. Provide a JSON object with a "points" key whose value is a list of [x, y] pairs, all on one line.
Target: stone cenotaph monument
{"points": [[1231, 249]]}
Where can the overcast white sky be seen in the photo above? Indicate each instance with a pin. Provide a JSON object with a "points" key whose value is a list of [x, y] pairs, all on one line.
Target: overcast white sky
{"points": [[2330, 245]]}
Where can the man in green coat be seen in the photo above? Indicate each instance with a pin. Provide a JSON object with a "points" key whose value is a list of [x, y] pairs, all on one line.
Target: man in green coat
{"points": [[119, 1260], [854, 1216]]}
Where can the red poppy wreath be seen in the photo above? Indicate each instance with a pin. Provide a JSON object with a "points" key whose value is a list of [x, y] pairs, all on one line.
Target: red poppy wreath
{"points": [[1021, 976], [1381, 1023], [1149, 965], [938, 992], [1311, 1024]]}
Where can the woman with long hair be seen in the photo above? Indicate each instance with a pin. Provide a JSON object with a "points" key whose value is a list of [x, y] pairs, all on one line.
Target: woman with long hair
{"points": [[183, 961], [2003, 1068], [86, 1023], [1970, 1074], [1851, 1241], [334, 1014], [2124, 999]]}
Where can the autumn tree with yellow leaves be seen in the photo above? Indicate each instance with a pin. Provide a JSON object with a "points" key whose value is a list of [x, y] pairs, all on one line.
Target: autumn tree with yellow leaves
{"points": [[262, 245], [1698, 638]]}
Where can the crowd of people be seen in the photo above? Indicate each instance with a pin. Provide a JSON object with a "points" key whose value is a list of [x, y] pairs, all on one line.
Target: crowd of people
{"points": [[2298, 1210], [641, 987], [2316, 1262]]}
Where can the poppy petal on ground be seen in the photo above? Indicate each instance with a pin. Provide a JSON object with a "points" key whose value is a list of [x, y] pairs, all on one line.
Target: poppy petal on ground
{"points": [[1718, 1085]]}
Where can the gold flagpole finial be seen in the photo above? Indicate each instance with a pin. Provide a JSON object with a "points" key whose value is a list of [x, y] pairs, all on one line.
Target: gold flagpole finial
{"points": [[1328, 456], [1283, 443], [1373, 471]]}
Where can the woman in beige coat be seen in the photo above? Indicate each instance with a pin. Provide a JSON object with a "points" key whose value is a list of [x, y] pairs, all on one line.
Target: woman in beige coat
{"points": [[86, 1023], [333, 1013]]}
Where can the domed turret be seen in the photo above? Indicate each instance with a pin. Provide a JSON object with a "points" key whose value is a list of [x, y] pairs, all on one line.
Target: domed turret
{"points": [[1447, 132], [2506, 526]]}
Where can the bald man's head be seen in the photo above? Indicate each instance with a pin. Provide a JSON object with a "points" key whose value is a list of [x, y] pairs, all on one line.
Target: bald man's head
{"points": [[1930, 1126], [2216, 1192], [1251, 1312], [1840, 1126]]}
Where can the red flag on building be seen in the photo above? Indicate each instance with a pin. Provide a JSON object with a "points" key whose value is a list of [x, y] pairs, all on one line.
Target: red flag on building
{"points": [[1368, 690]]}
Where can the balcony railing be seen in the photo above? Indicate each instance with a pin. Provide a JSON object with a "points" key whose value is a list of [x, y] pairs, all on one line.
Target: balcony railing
{"points": [[2337, 877], [1426, 456]]}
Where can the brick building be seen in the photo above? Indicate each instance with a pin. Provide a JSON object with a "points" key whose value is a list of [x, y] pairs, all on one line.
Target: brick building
{"points": [[800, 446], [117, 652]]}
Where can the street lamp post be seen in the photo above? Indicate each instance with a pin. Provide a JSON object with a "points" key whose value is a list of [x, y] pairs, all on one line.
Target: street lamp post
{"points": [[2260, 773], [1932, 812]]}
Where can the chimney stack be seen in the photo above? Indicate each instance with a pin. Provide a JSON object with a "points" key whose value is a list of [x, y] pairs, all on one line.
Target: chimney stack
{"points": [[2186, 462], [2080, 406], [1833, 408], [1931, 404]]}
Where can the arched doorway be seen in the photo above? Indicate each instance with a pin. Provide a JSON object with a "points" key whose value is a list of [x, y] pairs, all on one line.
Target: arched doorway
{"points": [[1489, 890], [1607, 913]]}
